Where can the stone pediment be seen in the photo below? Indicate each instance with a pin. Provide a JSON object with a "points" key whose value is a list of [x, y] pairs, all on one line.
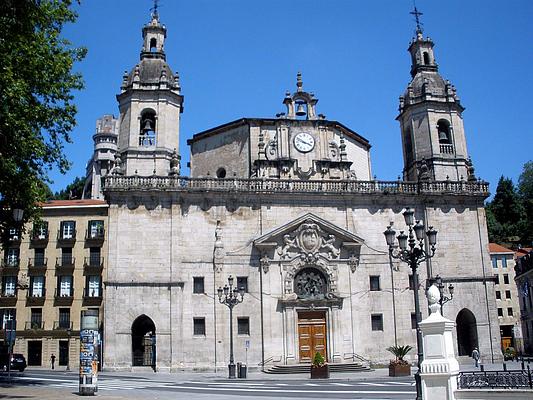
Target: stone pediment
{"points": [[308, 238]]}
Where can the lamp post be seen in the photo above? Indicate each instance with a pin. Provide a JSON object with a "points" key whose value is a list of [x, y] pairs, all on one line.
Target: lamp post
{"points": [[411, 250], [229, 296], [438, 281], [69, 333]]}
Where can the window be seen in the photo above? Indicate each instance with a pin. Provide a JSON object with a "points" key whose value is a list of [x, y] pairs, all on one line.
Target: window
{"points": [[498, 295], [411, 283], [65, 286], [413, 320], [242, 281], [243, 326], [40, 231], [377, 322], [7, 314], [507, 294], [68, 229], [147, 128], [506, 278], [14, 234], [95, 229], [494, 262], [510, 311], [198, 284], [93, 286], [9, 284], [12, 257], [66, 256], [500, 312], [37, 286], [425, 55], [36, 318], [64, 318], [94, 257], [153, 45], [504, 262], [221, 173], [39, 259], [374, 283], [199, 326]]}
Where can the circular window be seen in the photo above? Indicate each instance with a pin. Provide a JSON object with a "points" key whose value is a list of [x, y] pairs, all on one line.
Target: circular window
{"points": [[309, 283], [221, 173]]}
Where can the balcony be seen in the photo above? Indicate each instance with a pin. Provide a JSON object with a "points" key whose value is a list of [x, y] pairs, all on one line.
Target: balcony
{"points": [[95, 237], [8, 299], [93, 298], [37, 264], [34, 325], [10, 263], [66, 238], [62, 325], [39, 237], [36, 298], [65, 263], [446, 149], [93, 265], [63, 299]]}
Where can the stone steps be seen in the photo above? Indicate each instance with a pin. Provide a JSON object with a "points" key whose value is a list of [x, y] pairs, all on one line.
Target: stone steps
{"points": [[306, 368]]}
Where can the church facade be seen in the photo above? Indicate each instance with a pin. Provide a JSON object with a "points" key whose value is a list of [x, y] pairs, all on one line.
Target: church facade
{"points": [[288, 208]]}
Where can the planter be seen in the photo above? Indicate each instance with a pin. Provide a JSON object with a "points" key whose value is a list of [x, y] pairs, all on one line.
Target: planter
{"points": [[320, 372], [399, 369]]}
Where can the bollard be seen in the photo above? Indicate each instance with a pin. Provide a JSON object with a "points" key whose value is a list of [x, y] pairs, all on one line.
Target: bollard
{"points": [[482, 367], [505, 367]]}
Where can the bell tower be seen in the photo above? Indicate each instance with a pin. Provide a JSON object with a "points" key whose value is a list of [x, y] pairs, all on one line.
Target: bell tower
{"points": [[431, 122], [150, 105]]}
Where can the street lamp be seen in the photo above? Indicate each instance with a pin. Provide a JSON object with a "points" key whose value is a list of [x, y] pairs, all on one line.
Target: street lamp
{"points": [[438, 281], [410, 249], [69, 334], [229, 296]]}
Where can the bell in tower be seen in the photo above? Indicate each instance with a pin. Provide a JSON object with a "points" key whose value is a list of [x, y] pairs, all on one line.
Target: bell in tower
{"points": [[301, 103]]}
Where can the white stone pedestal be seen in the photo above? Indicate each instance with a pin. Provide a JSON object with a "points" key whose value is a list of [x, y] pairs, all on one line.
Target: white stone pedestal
{"points": [[439, 368]]}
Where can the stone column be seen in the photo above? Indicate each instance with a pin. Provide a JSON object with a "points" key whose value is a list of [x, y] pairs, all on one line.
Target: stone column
{"points": [[440, 368]]}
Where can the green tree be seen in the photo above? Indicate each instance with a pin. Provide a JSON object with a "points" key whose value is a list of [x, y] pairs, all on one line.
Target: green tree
{"points": [[37, 112], [505, 214], [73, 190], [525, 190]]}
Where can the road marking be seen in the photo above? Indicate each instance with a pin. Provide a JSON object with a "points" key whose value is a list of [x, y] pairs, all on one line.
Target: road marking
{"points": [[341, 384]]}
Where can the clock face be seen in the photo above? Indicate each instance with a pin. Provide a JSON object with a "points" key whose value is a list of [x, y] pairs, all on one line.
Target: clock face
{"points": [[304, 142]]}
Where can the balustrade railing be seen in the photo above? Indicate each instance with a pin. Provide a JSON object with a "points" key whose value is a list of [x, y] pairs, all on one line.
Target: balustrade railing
{"points": [[122, 183], [495, 379]]}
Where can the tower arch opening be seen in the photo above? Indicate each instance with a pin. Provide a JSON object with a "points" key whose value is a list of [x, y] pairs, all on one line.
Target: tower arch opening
{"points": [[153, 45], [143, 339], [425, 57], [467, 338], [147, 128]]}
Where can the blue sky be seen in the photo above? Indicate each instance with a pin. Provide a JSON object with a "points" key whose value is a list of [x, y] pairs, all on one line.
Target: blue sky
{"points": [[236, 58]]}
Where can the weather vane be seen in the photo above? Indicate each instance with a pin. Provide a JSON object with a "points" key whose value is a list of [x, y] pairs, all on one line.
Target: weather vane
{"points": [[417, 15], [154, 8]]}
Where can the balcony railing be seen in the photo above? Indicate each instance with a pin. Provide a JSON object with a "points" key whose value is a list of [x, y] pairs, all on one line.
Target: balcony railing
{"points": [[62, 325], [346, 187], [66, 237], [34, 325], [11, 263], [95, 235], [39, 262], [36, 294], [14, 238], [65, 261], [39, 237], [93, 261], [446, 148], [64, 294]]}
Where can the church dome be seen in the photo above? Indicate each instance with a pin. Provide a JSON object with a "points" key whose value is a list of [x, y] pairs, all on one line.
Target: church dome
{"points": [[151, 72], [435, 84]]}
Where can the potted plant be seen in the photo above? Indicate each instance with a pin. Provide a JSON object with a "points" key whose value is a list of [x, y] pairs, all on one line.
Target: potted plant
{"points": [[319, 368], [399, 367]]}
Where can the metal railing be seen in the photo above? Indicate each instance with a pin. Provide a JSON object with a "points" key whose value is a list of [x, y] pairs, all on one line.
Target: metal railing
{"points": [[446, 148], [37, 262], [65, 261], [36, 294], [495, 379], [98, 234], [11, 263], [62, 325], [66, 237], [123, 183], [36, 325], [93, 261], [59, 294]]}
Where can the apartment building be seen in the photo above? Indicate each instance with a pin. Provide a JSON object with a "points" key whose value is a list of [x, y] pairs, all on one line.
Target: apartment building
{"points": [[49, 274]]}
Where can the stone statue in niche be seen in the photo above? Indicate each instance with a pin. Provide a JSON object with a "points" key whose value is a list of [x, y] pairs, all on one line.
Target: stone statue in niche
{"points": [[310, 284]]}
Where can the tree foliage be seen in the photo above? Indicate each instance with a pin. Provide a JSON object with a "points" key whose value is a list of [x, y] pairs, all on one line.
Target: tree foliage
{"points": [[510, 213], [73, 190], [37, 112]]}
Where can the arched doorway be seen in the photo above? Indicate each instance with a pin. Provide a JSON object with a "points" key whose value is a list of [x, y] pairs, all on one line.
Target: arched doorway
{"points": [[466, 332], [143, 342]]}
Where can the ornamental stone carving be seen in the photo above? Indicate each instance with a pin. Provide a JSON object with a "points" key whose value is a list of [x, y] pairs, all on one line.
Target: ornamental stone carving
{"points": [[308, 241], [309, 283], [218, 250]]}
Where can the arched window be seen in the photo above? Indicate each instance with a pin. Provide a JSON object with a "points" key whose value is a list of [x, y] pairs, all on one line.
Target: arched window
{"points": [[426, 58], [143, 342], [147, 128], [443, 128], [221, 173], [153, 45], [467, 338], [310, 283]]}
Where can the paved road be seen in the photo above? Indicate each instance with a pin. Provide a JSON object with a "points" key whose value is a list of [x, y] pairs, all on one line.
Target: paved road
{"points": [[171, 386]]}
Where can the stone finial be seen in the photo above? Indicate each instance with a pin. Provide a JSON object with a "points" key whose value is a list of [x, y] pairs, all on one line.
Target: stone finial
{"points": [[471, 172], [342, 148], [299, 82], [175, 164], [423, 171], [117, 168], [136, 74], [433, 296]]}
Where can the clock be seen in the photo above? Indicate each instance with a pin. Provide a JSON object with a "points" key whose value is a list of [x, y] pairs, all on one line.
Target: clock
{"points": [[304, 142]]}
